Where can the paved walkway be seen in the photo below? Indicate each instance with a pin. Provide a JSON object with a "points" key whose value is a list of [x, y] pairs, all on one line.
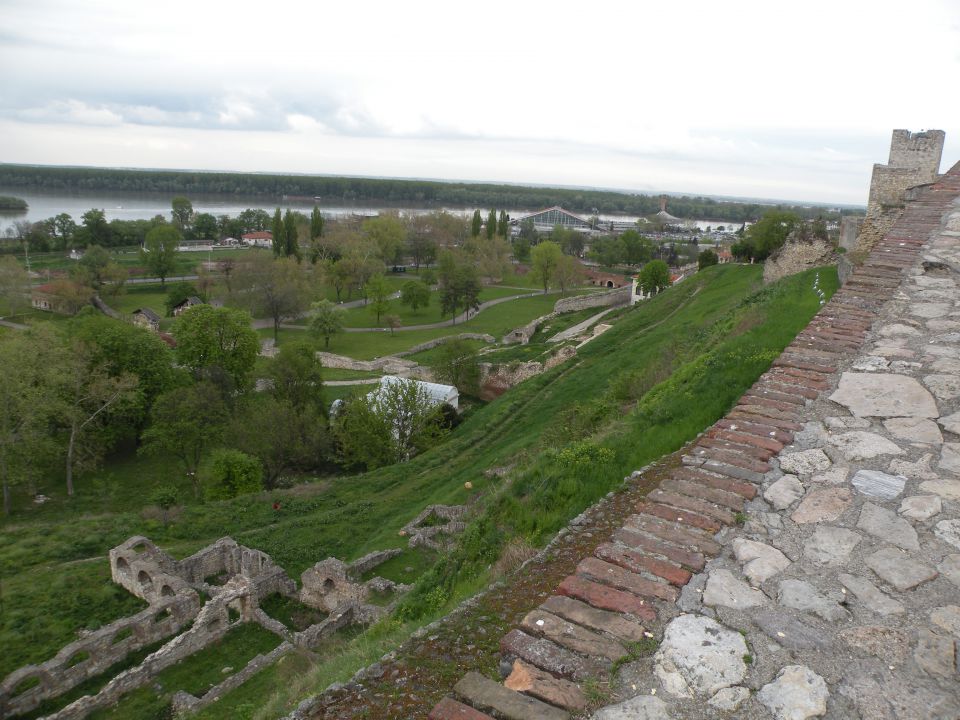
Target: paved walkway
{"points": [[805, 560], [581, 326]]}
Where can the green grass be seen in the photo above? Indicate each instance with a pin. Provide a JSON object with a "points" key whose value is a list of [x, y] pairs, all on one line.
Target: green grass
{"points": [[342, 374], [290, 612], [195, 675], [666, 370], [149, 295]]}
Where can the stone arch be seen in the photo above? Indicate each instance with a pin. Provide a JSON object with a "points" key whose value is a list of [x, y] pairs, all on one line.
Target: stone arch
{"points": [[146, 582], [166, 591], [609, 283], [328, 585], [123, 566]]}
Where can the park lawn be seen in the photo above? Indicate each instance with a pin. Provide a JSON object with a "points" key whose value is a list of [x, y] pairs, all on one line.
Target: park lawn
{"points": [[497, 321], [343, 374], [428, 357], [134, 297]]}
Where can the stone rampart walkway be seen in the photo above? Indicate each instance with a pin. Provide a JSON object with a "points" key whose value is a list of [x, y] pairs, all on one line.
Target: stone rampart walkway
{"points": [[805, 561]]}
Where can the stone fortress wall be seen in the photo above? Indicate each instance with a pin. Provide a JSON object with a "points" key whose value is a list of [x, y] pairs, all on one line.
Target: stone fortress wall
{"points": [[914, 160]]}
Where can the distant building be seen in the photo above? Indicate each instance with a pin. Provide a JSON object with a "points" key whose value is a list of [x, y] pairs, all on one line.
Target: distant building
{"points": [[605, 279], [184, 305], [61, 296], [146, 318], [262, 238], [546, 220]]}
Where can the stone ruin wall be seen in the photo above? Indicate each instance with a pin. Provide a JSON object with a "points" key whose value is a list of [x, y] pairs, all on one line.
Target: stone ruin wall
{"points": [[497, 379], [914, 160], [522, 335], [796, 256]]}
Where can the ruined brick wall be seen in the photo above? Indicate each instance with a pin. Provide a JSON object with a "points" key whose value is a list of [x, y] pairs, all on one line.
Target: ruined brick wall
{"points": [[796, 256]]}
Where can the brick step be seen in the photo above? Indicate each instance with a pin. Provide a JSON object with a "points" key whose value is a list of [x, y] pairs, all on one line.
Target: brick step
{"points": [[606, 598], [683, 535], [765, 415], [783, 378], [540, 623], [638, 562], [450, 709], [711, 441], [813, 375], [665, 512], [828, 355], [531, 680], [761, 429], [702, 477], [767, 393], [637, 541], [482, 692], [691, 504], [730, 500], [809, 343], [604, 621], [758, 442], [800, 363], [620, 578], [728, 457], [722, 468], [776, 385]]}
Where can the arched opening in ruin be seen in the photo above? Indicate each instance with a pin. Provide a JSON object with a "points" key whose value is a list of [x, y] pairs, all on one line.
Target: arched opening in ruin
{"points": [[140, 547], [123, 566], [28, 683], [164, 614], [328, 585], [167, 591], [78, 657], [214, 625], [146, 582], [122, 635], [609, 283]]}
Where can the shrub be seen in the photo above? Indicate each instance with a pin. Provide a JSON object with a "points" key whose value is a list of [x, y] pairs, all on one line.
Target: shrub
{"points": [[230, 473]]}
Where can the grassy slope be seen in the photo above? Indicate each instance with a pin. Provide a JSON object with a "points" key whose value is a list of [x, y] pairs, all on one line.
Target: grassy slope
{"points": [[371, 508]]}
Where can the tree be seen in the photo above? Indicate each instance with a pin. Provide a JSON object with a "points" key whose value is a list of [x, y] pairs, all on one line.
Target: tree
{"points": [[217, 344], [87, 392], [389, 425], [637, 248], [253, 220], [95, 227], [459, 284], [295, 377], [326, 320], [164, 497], [184, 423], [91, 269], [503, 225], [569, 240], [64, 229], [316, 223], [569, 273], [706, 258], [14, 285], [378, 294], [280, 435], [182, 213], [476, 223], [229, 473], [291, 245], [492, 257], [528, 231], [456, 364], [421, 247], [159, 252], [491, 224], [205, 227], [769, 233], [387, 231], [272, 288], [27, 406], [654, 277], [279, 234], [544, 259], [415, 294], [393, 322]]}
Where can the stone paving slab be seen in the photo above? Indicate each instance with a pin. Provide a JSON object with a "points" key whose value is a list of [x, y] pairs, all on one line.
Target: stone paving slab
{"points": [[813, 532]]}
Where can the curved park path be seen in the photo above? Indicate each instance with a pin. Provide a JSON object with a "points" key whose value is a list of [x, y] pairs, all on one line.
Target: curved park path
{"points": [[800, 559]]}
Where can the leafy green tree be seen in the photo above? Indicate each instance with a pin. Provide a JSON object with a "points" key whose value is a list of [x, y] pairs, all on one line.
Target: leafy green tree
{"points": [[521, 249], [503, 225], [378, 294], [291, 246], [64, 229], [476, 223], [415, 294], [272, 288], [769, 233], [177, 293], [459, 284], [654, 277], [457, 364], [393, 322], [96, 229], [279, 233], [14, 285], [637, 248], [491, 224], [216, 343], [185, 422], [326, 320], [570, 241], [391, 424], [569, 273], [421, 247], [280, 435], [296, 377], [182, 213], [316, 223], [165, 497], [206, 227], [544, 259], [388, 232], [528, 231], [230, 473], [159, 252], [706, 258]]}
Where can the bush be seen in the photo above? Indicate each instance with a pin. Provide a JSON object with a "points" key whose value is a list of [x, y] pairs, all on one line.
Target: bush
{"points": [[230, 473], [706, 259]]}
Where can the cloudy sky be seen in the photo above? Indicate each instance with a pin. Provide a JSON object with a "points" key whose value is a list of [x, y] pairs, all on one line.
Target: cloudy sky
{"points": [[762, 99]]}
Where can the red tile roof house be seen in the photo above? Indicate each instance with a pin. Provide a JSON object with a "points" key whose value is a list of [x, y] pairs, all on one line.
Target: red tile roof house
{"points": [[263, 238]]}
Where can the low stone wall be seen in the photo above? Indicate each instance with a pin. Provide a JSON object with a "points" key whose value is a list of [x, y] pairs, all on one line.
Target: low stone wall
{"points": [[497, 379], [619, 296], [97, 652], [371, 560], [184, 702], [430, 344], [796, 256]]}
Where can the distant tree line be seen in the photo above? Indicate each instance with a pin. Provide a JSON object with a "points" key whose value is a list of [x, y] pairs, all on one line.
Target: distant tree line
{"points": [[414, 192], [12, 203]]}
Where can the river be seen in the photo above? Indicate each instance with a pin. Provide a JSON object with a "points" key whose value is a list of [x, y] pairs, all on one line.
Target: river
{"points": [[143, 206]]}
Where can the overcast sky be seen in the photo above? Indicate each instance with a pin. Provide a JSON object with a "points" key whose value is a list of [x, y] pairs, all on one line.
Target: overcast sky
{"points": [[762, 99]]}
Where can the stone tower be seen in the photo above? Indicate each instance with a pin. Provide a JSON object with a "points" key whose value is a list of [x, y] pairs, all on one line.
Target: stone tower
{"points": [[914, 160]]}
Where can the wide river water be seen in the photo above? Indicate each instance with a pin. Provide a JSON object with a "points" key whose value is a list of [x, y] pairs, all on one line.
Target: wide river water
{"points": [[141, 206]]}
